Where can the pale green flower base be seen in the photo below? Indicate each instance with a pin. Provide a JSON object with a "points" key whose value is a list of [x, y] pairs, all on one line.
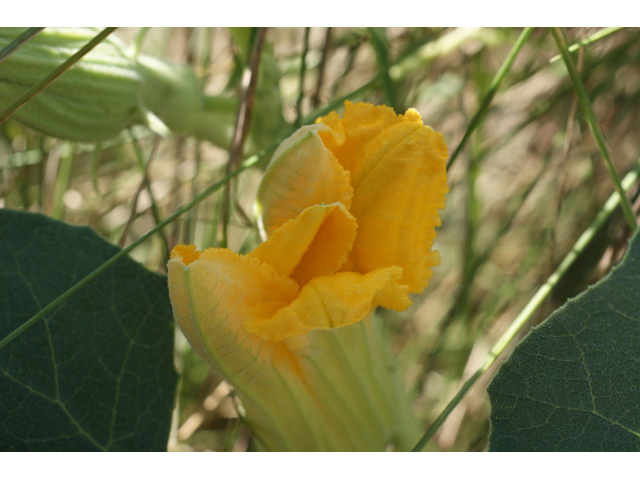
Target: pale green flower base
{"points": [[355, 380]]}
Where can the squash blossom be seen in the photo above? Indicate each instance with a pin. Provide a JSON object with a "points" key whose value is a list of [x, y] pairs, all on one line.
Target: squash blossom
{"points": [[348, 207]]}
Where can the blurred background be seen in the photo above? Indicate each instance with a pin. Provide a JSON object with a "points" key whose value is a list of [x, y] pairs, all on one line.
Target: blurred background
{"points": [[524, 187]]}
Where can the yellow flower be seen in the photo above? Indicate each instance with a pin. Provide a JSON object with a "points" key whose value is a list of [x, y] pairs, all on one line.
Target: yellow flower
{"points": [[348, 208]]}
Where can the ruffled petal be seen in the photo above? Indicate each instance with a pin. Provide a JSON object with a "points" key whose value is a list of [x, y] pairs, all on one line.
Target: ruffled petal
{"points": [[302, 173], [313, 244], [397, 169], [213, 295], [351, 134], [334, 301], [287, 395]]}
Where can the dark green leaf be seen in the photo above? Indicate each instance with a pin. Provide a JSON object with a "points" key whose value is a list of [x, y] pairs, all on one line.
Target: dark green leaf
{"points": [[97, 374], [574, 382]]}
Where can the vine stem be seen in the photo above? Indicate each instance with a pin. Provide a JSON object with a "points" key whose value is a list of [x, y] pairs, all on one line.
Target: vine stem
{"points": [[17, 42], [539, 297]]}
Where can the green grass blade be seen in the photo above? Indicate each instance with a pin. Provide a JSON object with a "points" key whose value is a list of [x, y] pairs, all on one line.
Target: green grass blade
{"points": [[540, 296], [594, 126], [415, 46], [493, 88], [380, 43], [303, 70], [62, 180], [216, 186], [18, 42], [600, 34], [94, 163], [45, 82]]}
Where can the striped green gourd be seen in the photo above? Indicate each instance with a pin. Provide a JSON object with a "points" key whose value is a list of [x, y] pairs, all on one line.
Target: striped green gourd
{"points": [[112, 88]]}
